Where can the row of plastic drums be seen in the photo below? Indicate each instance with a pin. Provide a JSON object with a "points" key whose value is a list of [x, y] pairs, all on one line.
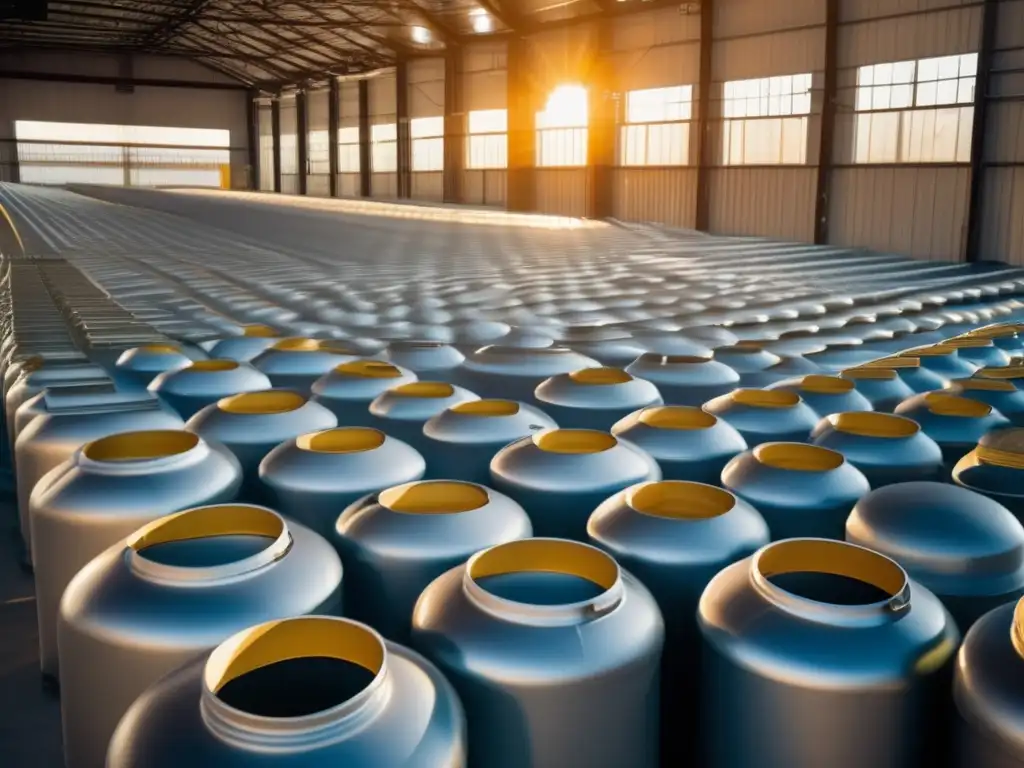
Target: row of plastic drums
{"points": [[277, 446]]}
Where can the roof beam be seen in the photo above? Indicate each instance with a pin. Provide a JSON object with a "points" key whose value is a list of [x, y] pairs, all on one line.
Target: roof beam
{"points": [[169, 28], [56, 77], [438, 28]]}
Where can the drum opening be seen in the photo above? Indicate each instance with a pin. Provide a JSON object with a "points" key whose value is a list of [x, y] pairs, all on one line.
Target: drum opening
{"points": [[942, 404], [424, 389], [297, 345], [983, 385], [677, 359], [487, 408], [832, 572], [1007, 372], [936, 350], [765, 398], [681, 500], [141, 446], [295, 667], [600, 376], [893, 363], [871, 374], [677, 417], [259, 331], [434, 497], [968, 342], [341, 440], [865, 424], [369, 369], [1002, 448], [160, 349], [209, 536], [826, 385], [544, 571], [574, 441], [798, 457], [210, 366], [280, 401]]}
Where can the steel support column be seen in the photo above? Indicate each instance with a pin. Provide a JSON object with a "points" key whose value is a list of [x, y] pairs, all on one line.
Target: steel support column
{"points": [[364, 139], [455, 127], [275, 128], [522, 103], [252, 125], [986, 52], [302, 137], [404, 147], [828, 123], [702, 216], [333, 120], [602, 103]]}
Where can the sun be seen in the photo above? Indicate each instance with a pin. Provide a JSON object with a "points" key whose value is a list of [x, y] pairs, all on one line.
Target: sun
{"points": [[566, 107]]}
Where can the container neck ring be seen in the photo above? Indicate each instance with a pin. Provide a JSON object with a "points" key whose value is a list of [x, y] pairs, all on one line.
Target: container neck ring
{"points": [[208, 522], [835, 558], [557, 556], [289, 639]]}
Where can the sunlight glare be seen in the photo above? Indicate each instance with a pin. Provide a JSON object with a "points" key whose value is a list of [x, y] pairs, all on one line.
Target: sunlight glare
{"points": [[566, 107]]}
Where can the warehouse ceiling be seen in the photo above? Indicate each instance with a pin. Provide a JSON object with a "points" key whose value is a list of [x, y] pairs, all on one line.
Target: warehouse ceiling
{"points": [[270, 43]]}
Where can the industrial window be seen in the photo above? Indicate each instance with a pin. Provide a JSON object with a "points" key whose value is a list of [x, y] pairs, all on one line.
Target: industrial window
{"points": [[657, 131], [916, 111], [384, 148], [488, 139], [319, 153], [128, 155], [562, 128], [766, 120], [348, 150], [427, 134]]}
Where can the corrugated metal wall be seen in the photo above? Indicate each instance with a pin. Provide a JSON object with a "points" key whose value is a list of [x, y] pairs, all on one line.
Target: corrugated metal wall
{"points": [[267, 156], [318, 173], [348, 96], [383, 111], [485, 86], [755, 39], [289, 151], [559, 57], [426, 99], [1003, 184], [919, 210], [656, 50], [85, 103]]}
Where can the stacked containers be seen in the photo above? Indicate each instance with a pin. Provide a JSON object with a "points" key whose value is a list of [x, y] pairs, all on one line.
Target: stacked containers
{"points": [[554, 651], [461, 441], [252, 424], [560, 476], [800, 490], [403, 410], [176, 587], [107, 490], [688, 443], [348, 389], [594, 398], [396, 542], [313, 477], [297, 692], [188, 390], [685, 379], [674, 537], [846, 664], [763, 415], [967, 549], [955, 423]]}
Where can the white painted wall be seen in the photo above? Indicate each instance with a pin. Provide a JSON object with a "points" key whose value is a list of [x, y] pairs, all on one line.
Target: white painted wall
{"points": [[163, 107]]}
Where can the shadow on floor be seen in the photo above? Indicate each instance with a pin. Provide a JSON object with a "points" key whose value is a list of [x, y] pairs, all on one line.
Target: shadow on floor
{"points": [[29, 716]]}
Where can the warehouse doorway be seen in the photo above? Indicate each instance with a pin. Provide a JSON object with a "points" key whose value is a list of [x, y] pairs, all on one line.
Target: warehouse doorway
{"points": [[122, 155]]}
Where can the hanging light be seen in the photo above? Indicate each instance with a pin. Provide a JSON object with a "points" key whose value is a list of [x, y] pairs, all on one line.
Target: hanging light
{"points": [[482, 21], [420, 35]]}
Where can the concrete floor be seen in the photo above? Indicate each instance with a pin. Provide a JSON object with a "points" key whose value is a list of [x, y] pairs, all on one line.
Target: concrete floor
{"points": [[29, 716]]}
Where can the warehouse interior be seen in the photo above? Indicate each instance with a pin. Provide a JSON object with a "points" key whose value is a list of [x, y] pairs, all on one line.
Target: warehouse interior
{"points": [[689, 244], [888, 125]]}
